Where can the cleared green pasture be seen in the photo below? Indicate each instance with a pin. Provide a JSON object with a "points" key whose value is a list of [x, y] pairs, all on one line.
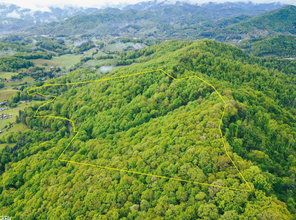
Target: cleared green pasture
{"points": [[27, 79], [97, 62], [6, 93], [15, 112], [100, 53], [67, 61], [15, 128], [7, 75]]}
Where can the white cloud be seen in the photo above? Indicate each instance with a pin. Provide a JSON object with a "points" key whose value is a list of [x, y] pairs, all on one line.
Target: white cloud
{"points": [[37, 4], [45, 9], [13, 14]]}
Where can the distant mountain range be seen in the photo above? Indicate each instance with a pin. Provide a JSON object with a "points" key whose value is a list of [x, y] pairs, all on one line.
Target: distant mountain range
{"points": [[248, 8], [13, 17], [177, 22], [279, 21]]}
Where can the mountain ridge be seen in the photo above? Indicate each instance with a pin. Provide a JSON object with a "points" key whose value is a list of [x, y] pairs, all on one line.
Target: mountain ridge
{"points": [[13, 17]]}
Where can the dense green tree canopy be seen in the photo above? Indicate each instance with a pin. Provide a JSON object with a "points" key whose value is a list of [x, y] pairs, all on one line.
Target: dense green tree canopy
{"points": [[156, 125]]}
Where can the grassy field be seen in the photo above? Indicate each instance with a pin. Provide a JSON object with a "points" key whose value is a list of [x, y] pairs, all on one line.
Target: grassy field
{"points": [[14, 111], [67, 61], [28, 79], [15, 128], [100, 53], [6, 93], [7, 75]]}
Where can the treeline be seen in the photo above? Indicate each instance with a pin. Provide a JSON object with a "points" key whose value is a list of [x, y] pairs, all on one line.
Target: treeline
{"points": [[36, 73], [13, 63], [105, 57], [15, 47], [53, 46], [83, 47], [34, 55]]}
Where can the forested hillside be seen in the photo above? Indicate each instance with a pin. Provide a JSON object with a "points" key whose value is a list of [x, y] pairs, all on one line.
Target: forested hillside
{"points": [[280, 21], [278, 46], [156, 125], [13, 17], [182, 21]]}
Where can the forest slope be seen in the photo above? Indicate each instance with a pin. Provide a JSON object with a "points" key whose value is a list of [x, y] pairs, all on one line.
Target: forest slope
{"points": [[279, 21], [182, 21], [153, 124], [282, 46]]}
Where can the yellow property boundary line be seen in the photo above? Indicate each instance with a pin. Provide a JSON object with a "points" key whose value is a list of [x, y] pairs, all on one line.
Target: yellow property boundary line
{"points": [[99, 80]]}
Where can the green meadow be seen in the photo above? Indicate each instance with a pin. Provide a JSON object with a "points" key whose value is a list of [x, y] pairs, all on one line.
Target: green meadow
{"points": [[14, 111], [7, 75], [66, 61], [6, 93]]}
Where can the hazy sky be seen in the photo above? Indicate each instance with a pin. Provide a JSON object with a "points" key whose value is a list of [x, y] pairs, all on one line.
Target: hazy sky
{"points": [[34, 4]]}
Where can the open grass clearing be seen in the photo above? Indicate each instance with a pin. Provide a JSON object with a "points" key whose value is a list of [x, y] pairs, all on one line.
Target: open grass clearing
{"points": [[100, 53], [7, 75], [28, 79], [98, 62], [15, 128], [66, 61], [15, 112], [5, 94]]}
